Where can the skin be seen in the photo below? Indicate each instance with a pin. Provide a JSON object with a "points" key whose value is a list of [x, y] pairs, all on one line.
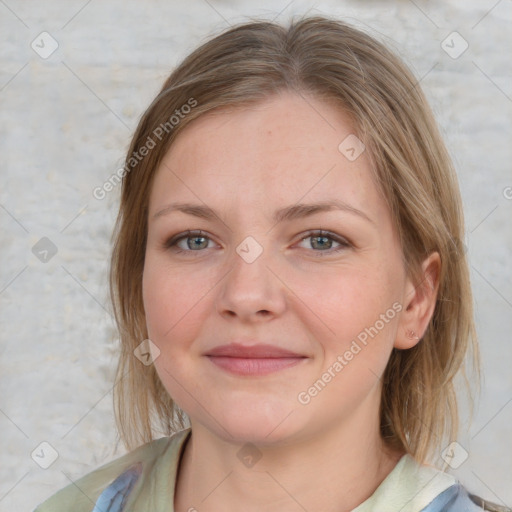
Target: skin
{"points": [[245, 163]]}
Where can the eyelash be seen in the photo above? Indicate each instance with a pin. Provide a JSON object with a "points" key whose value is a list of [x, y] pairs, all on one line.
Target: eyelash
{"points": [[172, 242]]}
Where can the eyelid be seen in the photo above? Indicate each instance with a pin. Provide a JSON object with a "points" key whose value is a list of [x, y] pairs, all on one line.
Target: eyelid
{"points": [[344, 242], [172, 241]]}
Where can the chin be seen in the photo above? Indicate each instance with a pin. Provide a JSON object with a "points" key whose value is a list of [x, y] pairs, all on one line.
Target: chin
{"points": [[260, 426]]}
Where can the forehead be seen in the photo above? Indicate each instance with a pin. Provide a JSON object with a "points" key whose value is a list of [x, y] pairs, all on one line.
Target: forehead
{"points": [[282, 150]]}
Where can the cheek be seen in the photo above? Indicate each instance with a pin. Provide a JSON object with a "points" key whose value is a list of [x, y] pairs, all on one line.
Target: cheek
{"points": [[173, 309], [345, 300], [356, 317], [155, 299], [168, 298]]}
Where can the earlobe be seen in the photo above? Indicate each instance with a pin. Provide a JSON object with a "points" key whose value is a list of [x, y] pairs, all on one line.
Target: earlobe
{"points": [[412, 335], [420, 302]]}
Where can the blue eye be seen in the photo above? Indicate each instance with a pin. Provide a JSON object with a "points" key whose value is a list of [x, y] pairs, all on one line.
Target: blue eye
{"points": [[322, 240], [198, 241]]}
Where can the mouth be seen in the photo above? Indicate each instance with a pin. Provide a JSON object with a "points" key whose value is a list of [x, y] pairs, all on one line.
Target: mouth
{"points": [[253, 360]]}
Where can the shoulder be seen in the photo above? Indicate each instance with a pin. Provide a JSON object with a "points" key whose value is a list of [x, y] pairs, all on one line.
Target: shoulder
{"points": [[114, 481], [487, 505], [416, 487], [442, 492], [457, 499]]}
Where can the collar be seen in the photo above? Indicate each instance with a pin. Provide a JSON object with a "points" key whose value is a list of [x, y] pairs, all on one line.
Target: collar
{"points": [[409, 487]]}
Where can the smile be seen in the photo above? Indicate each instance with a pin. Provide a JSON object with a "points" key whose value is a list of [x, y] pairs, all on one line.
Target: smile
{"points": [[260, 359], [254, 366]]}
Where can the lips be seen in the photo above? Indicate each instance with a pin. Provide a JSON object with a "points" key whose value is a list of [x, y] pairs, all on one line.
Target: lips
{"points": [[260, 351], [258, 359]]}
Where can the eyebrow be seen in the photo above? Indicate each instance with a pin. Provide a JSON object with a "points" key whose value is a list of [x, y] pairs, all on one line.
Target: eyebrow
{"points": [[288, 213]]}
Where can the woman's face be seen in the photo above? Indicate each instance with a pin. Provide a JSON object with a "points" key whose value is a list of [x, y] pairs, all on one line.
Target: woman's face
{"points": [[259, 272]]}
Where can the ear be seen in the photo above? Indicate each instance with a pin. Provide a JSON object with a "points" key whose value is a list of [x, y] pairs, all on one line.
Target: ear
{"points": [[419, 303]]}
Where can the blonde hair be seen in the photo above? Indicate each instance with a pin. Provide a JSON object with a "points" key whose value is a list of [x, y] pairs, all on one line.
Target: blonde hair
{"points": [[336, 62]]}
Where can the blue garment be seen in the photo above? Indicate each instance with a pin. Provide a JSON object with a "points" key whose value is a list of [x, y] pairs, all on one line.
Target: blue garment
{"points": [[113, 498], [453, 499], [144, 480]]}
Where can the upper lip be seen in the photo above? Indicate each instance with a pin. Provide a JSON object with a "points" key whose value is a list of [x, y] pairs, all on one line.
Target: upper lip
{"points": [[259, 351]]}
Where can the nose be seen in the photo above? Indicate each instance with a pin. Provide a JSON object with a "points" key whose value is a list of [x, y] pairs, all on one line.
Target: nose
{"points": [[251, 291]]}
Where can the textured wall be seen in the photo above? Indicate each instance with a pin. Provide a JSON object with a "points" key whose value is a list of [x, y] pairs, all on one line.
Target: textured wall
{"points": [[70, 101]]}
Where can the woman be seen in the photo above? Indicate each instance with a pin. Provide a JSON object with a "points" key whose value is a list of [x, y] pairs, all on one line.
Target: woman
{"points": [[288, 276]]}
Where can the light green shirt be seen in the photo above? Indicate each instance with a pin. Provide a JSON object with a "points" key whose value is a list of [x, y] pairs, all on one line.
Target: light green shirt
{"points": [[410, 486]]}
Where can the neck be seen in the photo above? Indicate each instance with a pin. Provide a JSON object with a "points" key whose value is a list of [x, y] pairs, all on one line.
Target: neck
{"points": [[333, 470]]}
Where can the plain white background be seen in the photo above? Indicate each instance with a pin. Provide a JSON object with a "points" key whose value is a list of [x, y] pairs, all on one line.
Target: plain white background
{"points": [[65, 122]]}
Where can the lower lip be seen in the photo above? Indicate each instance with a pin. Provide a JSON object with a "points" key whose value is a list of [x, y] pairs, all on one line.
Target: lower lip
{"points": [[254, 366]]}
